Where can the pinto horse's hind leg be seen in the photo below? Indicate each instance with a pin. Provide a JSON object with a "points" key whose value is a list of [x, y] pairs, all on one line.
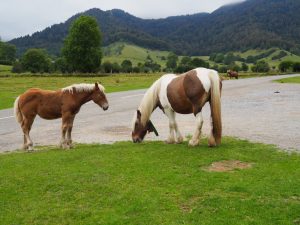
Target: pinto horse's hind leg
{"points": [[173, 127], [196, 136], [26, 127]]}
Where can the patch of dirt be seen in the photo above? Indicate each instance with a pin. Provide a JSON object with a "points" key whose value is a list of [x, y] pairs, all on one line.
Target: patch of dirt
{"points": [[228, 165]]}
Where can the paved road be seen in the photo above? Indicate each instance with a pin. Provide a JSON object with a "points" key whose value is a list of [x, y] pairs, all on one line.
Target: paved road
{"points": [[250, 107]]}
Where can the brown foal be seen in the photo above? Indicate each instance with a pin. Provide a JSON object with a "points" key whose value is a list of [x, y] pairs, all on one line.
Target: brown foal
{"points": [[64, 103]]}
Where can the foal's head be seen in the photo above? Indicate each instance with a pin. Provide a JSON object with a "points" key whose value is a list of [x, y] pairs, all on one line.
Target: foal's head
{"points": [[140, 129], [99, 97]]}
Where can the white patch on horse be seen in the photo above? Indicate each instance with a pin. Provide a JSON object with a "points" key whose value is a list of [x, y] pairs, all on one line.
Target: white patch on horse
{"points": [[163, 97], [82, 88], [203, 75], [148, 103]]}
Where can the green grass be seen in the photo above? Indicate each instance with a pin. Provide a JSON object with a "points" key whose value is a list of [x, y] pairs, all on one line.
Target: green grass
{"points": [[12, 86], [119, 51], [295, 80], [5, 68], [150, 183]]}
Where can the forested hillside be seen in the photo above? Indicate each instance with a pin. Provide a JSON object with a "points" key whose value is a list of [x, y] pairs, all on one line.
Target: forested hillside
{"points": [[248, 25]]}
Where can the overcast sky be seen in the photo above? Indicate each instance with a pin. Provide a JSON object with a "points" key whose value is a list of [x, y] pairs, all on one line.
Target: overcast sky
{"points": [[21, 17]]}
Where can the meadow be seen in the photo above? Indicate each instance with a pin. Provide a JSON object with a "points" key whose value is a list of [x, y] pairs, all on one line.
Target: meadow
{"points": [[150, 183], [12, 86], [295, 80]]}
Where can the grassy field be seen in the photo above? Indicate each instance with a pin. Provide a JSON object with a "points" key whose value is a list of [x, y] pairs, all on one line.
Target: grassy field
{"points": [[150, 183], [118, 52], [295, 80], [12, 86]]}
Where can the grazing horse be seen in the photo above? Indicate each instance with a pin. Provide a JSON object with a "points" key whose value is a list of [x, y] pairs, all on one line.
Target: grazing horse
{"points": [[231, 73], [64, 103], [184, 94]]}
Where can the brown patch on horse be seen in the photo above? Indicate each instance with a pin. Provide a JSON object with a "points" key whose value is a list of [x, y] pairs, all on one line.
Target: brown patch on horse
{"points": [[228, 165], [186, 93], [232, 73]]}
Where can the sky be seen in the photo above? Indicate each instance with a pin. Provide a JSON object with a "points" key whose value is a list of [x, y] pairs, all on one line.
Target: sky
{"points": [[22, 17]]}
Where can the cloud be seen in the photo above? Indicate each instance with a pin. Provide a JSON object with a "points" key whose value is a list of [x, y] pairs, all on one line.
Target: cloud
{"points": [[19, 17]]}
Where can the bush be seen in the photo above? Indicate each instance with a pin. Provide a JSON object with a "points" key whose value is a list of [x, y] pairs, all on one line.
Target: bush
{"points": [[261, 67], [17, 67], [296, 67], [36, 60], [285, 66]]}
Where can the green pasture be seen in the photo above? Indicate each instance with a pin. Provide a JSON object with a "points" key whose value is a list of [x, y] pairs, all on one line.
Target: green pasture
{"points": [[295, 80], [119, 51], [13, 86], [150, 183]]}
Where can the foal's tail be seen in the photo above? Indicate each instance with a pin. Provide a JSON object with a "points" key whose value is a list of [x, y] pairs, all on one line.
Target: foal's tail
{"points": [[215, 105], [17, 111]]}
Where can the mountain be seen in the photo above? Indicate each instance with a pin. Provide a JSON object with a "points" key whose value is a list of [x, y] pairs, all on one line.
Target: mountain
{"points": [[237, 27]]}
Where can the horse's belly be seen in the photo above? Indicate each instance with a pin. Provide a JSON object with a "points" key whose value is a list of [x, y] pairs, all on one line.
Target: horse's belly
{"points": [[49, 111]]}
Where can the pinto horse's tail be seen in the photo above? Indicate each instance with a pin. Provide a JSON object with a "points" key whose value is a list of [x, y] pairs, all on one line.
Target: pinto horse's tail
{"points": [[215, 106], [17, 111]]}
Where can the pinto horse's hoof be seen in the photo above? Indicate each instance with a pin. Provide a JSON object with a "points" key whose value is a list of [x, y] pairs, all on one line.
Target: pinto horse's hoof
{"points": [[193, 143]]}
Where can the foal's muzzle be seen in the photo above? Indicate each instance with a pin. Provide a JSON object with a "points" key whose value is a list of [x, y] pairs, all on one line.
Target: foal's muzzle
{"points": [[105, 107], [136, 140]]}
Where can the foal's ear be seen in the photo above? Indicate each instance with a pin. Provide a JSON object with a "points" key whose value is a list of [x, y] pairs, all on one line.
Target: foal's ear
{"points": [[138, 114], [96, 85]]}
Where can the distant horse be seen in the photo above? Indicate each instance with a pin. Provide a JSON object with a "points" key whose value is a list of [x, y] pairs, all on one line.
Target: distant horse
{"points": [[231, 73], [184, 94], [64, 103]]}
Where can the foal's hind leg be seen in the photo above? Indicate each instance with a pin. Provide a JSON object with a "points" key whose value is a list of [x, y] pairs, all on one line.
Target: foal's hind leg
{"points": [[173, 128], [26, 127], [196, 136]]}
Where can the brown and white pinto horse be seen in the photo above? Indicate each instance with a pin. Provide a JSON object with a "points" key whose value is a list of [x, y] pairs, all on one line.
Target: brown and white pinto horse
{"points": [[184, 94], [231, 73], [64, 103]]}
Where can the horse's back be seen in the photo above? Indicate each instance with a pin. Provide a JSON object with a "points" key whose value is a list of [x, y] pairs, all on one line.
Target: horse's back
{"points": [[45, 103]]}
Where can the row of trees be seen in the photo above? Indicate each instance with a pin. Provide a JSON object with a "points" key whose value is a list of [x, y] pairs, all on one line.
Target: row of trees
{"points": [[7, 53]]}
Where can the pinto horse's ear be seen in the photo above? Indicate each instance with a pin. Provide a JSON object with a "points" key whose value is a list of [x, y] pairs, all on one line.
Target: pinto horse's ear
{"points": [[151, 128], [96, 85]]}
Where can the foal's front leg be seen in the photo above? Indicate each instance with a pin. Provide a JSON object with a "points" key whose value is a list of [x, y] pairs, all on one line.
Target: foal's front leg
{"points": [[67, 123], [173, 127], [196, 136]]}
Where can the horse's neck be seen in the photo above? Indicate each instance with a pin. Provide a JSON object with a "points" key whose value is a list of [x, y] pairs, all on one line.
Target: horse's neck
{"points": [[150, 101], [82, 97]]}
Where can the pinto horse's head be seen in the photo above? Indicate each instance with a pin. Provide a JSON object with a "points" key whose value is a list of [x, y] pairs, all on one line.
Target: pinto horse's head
{"points": [[99, 96], [140, 129]]}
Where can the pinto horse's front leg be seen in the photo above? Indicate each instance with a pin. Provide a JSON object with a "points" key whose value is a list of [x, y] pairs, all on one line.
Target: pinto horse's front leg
{"points": [[196, 136], [173, 128]]}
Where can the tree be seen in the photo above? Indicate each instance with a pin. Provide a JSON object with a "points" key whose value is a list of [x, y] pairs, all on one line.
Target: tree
{"points": [[82, 47], [296, 67], [7, 53], [245, 67], [126, 66], [172, 61], [261, 67], [285, 66], [35, 60], [197, 62]]}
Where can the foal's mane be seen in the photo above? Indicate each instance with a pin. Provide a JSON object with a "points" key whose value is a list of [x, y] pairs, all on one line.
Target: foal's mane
{"points": [[82, 88], [149, 102]]}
